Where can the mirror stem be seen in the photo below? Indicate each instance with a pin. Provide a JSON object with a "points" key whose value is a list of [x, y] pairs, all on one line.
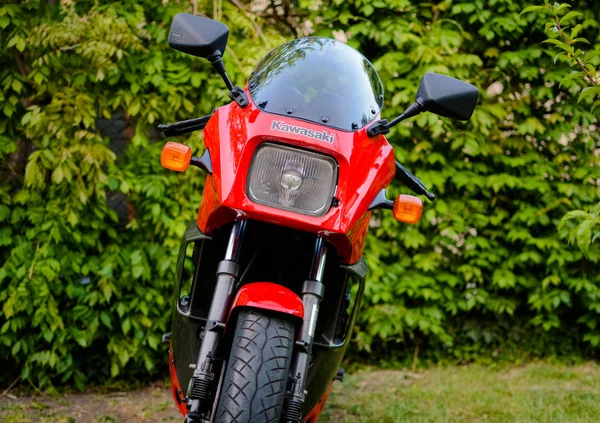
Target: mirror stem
{"points": [[220, 68], [383, 126], [237, 94], [413, 110]]}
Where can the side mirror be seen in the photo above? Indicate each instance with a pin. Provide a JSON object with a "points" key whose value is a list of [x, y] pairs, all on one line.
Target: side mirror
{"points": [[439, 94], [198, 36], [446, 96], [205, 38]]}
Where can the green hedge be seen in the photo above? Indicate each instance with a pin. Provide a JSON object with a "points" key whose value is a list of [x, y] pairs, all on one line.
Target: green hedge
{"points": [[85, 291]]}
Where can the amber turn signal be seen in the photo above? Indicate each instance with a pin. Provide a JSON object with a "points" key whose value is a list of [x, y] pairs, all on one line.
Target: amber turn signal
{"points": [[176, 156], [407, 208]]}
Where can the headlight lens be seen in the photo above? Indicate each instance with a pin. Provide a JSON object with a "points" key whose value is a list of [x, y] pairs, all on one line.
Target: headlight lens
{"points": [[292, 179]]}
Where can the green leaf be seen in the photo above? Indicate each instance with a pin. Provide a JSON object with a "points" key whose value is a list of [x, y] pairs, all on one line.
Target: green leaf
{"points": [[560, 44], [16, 85], [121, 309], [6, 237], [153, 342], [4, 212], [559, 7], [81, 341], [575, 31], [123, 356], [48, 335], [196, 79], [580, 40], [584, 235], [504, 278], [574, 214], [126, 326], [571, 76], [148, 364], [137, 271], [57, 175], [570, 15], [105, 317], [588, 92], [532, 9], [16, 348], [20, 44], [114, 369], [4, 22]]}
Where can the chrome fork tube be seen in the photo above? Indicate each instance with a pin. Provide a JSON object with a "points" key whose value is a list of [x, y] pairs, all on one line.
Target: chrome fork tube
{"points": [[312, 294], [235, 241], [200, 392], [318, 263]]}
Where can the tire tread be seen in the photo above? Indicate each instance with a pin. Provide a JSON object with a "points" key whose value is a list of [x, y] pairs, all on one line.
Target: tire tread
{"points": [[257, 371]]}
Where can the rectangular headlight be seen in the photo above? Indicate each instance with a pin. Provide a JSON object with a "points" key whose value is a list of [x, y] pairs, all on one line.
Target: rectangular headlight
{"points": [[292, 179]]}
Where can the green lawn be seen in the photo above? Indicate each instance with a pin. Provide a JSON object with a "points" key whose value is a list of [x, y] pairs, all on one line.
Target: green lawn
{"points": [[532, 393], [471, 394]]}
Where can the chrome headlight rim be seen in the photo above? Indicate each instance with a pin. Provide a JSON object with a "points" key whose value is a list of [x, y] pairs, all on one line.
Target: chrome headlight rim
{"points": [[295, 150]]}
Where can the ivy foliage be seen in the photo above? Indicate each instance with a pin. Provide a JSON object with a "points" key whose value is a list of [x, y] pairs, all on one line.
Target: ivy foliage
{"points": [[85, 290], [587, 229], [484, 269]]}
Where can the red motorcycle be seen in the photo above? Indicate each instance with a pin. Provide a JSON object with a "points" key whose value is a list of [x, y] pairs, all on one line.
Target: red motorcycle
{"points": [[271, 275]]}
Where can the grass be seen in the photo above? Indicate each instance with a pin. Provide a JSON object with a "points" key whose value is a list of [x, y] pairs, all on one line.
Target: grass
{"points": [[533, 393], [540, 393]]}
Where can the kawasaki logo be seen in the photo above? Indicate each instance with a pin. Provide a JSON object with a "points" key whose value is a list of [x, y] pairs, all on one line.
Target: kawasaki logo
{"points": [[318, 135]]}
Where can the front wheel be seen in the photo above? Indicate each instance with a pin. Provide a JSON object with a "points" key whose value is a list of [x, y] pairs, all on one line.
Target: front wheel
{"points": [[257, 371]]}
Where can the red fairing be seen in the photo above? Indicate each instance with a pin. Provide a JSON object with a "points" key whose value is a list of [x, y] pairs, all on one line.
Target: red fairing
{"points": [[314, 414], [268, 296], [366, 165], [175, 386]]}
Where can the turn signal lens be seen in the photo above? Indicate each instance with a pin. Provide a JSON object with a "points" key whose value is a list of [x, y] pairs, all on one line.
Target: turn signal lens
{"points": [[176, 156], [407, 209]]}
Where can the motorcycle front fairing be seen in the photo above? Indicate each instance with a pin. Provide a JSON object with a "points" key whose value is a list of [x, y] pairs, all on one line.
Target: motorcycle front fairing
{"points": [[315, 94], [365, 166]]}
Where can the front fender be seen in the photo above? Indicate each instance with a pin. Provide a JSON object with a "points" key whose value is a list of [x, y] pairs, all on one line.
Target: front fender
{"points": [[268, 296]]}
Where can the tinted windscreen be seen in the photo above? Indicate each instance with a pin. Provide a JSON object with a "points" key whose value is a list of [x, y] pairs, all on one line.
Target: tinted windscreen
{"points": [[320, 80]]}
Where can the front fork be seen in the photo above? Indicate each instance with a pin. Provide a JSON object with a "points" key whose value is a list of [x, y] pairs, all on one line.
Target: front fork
{"points": [[202, 384], [312, 294]]}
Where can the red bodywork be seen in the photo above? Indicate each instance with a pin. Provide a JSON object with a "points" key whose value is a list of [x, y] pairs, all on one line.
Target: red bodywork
{"points": [[366, 165], [175, 385], [314, 414], [269, 296]]}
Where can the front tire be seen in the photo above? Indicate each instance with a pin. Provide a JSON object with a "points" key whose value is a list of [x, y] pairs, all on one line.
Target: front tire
{"points": [[257, 371]]}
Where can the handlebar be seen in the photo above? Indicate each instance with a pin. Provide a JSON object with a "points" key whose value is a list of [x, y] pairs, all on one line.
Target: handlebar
{"points": [[185, 126], [412, 182]]}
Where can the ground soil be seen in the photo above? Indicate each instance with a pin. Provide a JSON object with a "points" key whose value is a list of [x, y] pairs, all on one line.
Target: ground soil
{"points": [[152, 404]]}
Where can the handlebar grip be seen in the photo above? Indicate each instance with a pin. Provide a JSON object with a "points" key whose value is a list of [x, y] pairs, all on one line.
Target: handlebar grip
{"points": [[412, 182], [185, 126]]}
